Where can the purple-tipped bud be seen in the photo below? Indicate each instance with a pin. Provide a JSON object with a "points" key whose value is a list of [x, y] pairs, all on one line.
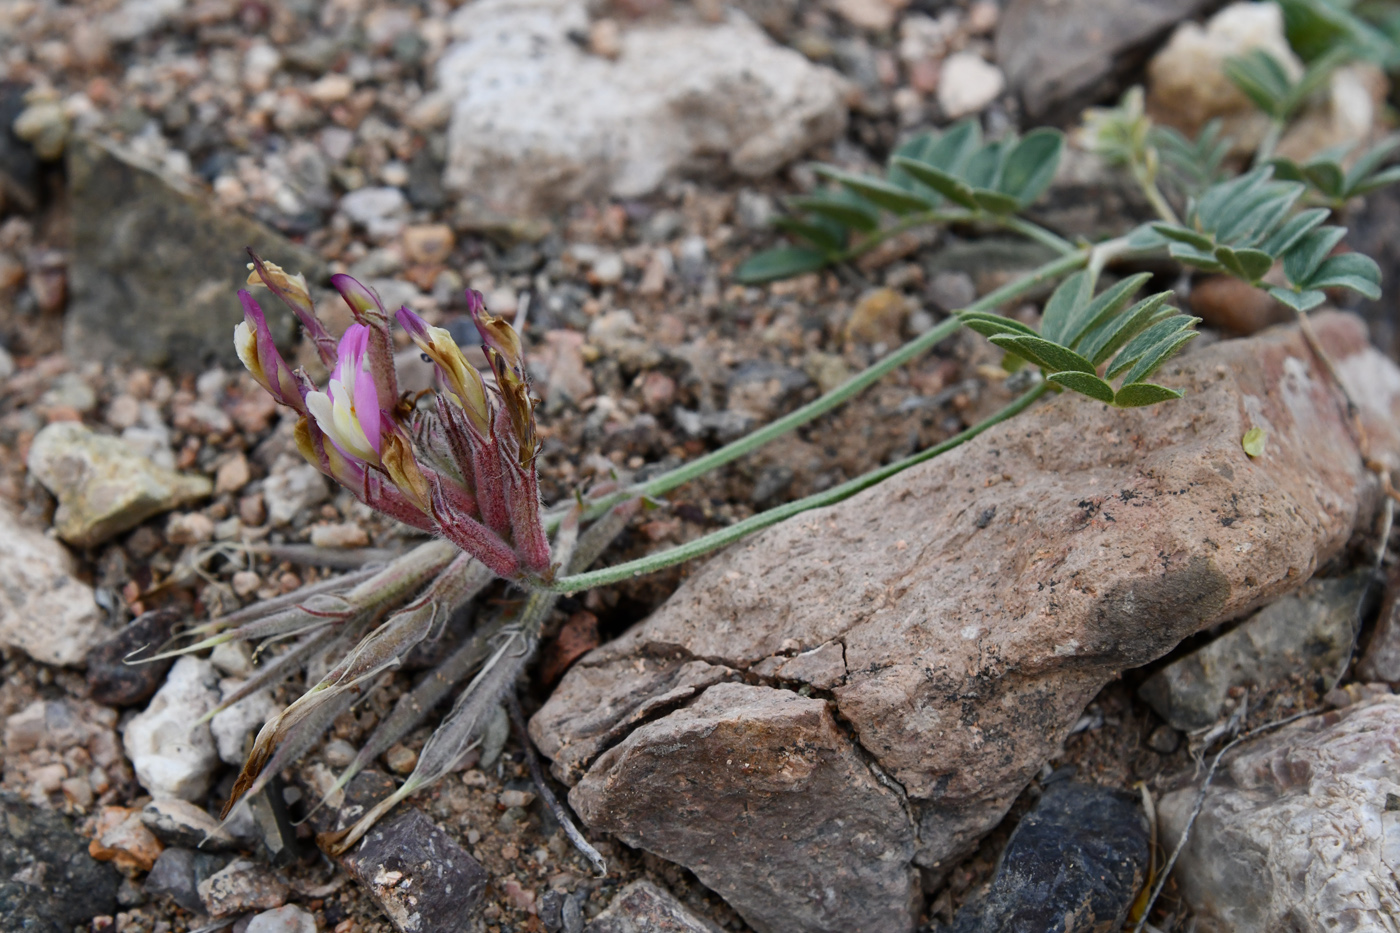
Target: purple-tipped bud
{"points": [[294, 293], [259, 354], [461, 377], [496, 333]]}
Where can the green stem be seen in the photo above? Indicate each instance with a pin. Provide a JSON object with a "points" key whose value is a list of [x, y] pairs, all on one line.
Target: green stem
{"points": [[1148, 185], [905, 223], [1035, 232], [663, 483], [718, 539]]}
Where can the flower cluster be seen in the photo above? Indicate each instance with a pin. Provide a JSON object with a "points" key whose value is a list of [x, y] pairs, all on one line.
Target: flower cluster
{"points": [[465, 471]]}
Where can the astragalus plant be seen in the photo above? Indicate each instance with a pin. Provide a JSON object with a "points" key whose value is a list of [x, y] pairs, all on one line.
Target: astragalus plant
{"points": [[459, 463]]}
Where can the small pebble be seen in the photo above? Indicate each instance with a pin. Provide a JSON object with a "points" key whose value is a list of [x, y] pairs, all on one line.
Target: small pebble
{"points": [[400, 759], [344, 535]]}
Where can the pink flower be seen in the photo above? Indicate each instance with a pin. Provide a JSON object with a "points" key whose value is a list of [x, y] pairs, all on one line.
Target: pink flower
{"points": [[349, 411]]}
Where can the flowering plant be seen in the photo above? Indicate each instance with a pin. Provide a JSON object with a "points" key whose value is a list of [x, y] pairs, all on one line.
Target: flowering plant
{"points": [[465, 471]]}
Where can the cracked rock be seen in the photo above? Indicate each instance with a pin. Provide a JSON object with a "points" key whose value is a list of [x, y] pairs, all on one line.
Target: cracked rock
{"points": [[971, 651], [778, 813], [642, 907], [1300, 830]]}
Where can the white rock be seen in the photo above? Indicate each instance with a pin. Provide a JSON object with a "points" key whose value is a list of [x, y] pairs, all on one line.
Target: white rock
{"points": [[286, 919], [1299, 830], [538, 122], [381, 211], [968, 83], [1187, 85], [233, 657], [45, 611], [232, 727], [293, 487], [171, 755], [137, 18]]}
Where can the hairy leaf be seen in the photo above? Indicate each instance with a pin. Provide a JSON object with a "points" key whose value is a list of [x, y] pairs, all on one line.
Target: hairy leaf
{"points": [[1031, 165], [780, 263], [952, 188], [1050, 357], [1301, 301], [1071, 295], [1302, 261], [842, 207], [1158, 354], [891, 197], [820, 235], [1349, 270], [1298, 226], [1085, 384], [1200, 241], [1139, 394], [1103, 341], [1107, 304], [1147, 341], [989, 325]]}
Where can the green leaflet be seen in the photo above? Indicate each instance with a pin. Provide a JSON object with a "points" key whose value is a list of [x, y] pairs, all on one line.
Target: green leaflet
{"points": [[1049, 356], [1138, 394], [782, 262], [1085, 384]]}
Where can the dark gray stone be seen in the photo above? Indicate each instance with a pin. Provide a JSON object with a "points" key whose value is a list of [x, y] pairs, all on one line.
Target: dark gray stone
{"points": [[115, 681], [177, 874], [642, 907], [1311, 632], [48, 882], [179, 823], [1061, 57], [19, 166], [276, 833], [155, 267], [438, 885], [1073, 865]]}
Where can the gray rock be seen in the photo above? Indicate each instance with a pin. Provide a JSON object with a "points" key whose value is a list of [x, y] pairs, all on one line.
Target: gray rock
{"points": [[1061, 57], [381, 211], [178, 872], [1072, 865], [103, 487], [272, 825], [422, 879], [48, 882], [137, 18], [799, 835], [292, 489], [115, 681], [287, 919], [180, 823], [538, 122], [1311, 632], [45, 610], [971, 648], [19, 166], [242, 886], [171, 755], [642, 907], [232, 727], [173, 876], [1300, 830], [155, 268]]}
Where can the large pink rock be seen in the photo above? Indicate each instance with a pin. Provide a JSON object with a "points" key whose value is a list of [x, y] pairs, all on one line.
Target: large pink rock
{"points": [[979, 601]]}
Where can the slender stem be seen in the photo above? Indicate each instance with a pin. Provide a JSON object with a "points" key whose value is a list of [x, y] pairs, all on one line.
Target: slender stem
{"points": [[909, 222], [664, 482], [1035, 232], [1148, 185], [719, 539]]}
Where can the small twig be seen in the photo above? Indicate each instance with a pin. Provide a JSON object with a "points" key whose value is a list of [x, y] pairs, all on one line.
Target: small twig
{"points": [[556, 809], [1200, 803]]}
